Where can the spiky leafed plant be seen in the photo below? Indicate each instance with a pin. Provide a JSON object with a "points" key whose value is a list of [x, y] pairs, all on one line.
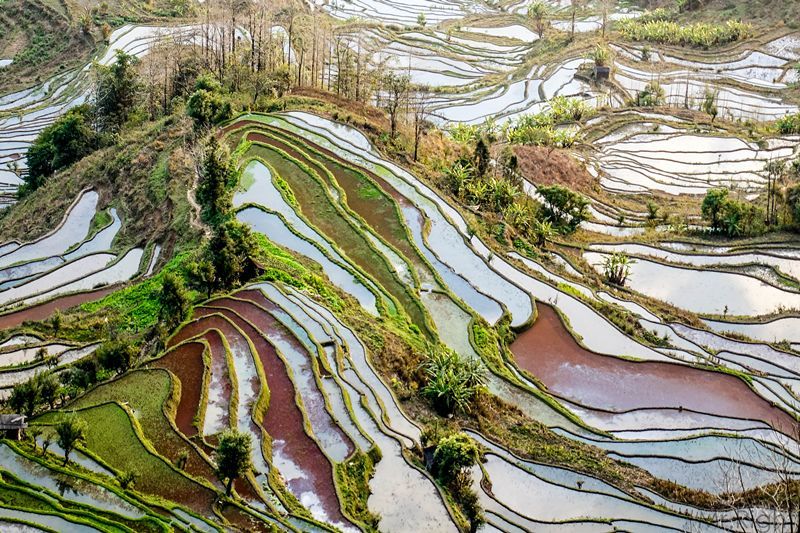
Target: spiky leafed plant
{"points": [[452, 380], [457, 177], [477, 191], [601, 56], [502, 193], [542, 231], [519, 215], [617, 268]]}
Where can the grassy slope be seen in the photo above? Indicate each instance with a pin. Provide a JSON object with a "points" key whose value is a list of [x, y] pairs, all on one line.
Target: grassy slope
{"points": [[149, 195], [42, 38]]}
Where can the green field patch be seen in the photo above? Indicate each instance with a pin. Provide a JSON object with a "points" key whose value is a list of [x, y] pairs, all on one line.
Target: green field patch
{"points": [[316, 205], [135, 308], [148, 393], [112, 437]]}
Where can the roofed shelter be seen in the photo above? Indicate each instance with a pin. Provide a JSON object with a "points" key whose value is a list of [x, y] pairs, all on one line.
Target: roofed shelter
{"points": [[12, 426]]}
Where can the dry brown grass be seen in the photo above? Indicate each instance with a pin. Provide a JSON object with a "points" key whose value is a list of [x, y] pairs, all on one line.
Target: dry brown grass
{"points": [[548, 166]]}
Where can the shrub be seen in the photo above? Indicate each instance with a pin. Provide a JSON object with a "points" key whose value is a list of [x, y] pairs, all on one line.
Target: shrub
{"points": [[793, 202], [116, 355], [732, 217], [563, 208], [789, 124], [709, 104], [540, 129], [127, 479], [454, 454], [67, 140], [651, 96], [173, 300], [601, 56], [207, 108]]}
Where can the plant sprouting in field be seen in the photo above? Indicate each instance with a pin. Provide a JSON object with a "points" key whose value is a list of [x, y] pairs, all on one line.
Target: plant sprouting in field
{"points": [[453, 380], [617, 268]]}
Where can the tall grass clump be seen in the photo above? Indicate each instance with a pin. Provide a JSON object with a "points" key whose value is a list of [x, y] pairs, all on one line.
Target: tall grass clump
{"points": [[789, 125], [701, 34]]}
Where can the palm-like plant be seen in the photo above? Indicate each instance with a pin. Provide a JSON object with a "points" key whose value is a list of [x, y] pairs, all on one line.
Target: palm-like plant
{"points": [[617, 268], [452, 380], [519, 216], [457, 177], [477, 191], [502, 193], [542, 231]]}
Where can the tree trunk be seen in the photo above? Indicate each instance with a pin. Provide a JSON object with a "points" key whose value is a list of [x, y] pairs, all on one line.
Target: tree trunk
{"points": [[228, 487], [572, 33]]}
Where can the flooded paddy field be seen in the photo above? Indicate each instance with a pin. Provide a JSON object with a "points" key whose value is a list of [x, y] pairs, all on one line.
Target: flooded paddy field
{"points": [[656, 398]]}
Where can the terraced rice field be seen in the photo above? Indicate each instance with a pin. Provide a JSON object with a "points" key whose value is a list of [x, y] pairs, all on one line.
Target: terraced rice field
{"points": [[280, 366], [707, 402]]}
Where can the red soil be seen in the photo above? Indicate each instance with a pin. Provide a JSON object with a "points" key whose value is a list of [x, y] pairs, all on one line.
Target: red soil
{"points": [[186, 362], [283, 419], [46, 309]]}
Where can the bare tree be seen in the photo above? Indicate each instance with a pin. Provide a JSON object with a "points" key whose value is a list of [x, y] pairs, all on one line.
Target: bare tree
{"points": [[395, 88], [420, 106], [605, 9], [575, 5]]}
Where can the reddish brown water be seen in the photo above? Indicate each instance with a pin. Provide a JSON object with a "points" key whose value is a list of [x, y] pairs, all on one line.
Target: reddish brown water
{"points": [[548, 351], [219, 327], [219, 362], [283, 419], [186, 362], [46, 309]]}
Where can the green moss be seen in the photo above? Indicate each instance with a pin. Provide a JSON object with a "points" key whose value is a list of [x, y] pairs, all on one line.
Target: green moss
{"points": [[367, 191]]}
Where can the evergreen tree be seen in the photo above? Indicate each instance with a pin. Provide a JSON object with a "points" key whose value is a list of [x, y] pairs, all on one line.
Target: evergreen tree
{"points": [[233, 457], [116, 92]]}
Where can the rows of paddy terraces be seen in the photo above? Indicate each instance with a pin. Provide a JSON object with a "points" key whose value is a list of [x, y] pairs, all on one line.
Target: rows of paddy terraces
{"points": [[639, 154], [275, 364], [645, 412], [702, 409], [481, 68], [383, 237], [75, 263]]}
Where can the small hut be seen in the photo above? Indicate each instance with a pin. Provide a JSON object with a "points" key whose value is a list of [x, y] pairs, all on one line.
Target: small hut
{"points": [[12, 426]]}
